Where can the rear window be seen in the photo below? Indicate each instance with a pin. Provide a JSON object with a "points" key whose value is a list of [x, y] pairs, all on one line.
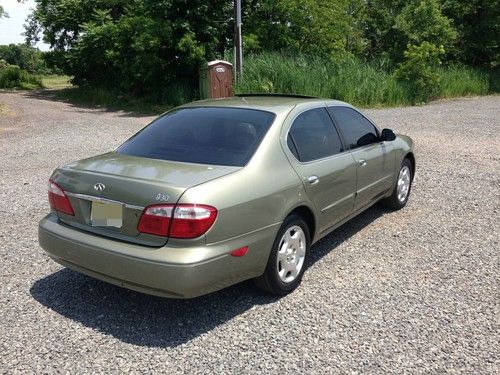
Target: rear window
{"points": [[219, 136]]}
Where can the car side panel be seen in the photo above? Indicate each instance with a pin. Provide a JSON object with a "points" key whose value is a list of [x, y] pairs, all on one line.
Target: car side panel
{"points": [[249, 201], [333, 193], [375, 170]]}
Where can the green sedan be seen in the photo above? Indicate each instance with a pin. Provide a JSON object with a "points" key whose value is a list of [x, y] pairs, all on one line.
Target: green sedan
{"points": [[220, 191]]}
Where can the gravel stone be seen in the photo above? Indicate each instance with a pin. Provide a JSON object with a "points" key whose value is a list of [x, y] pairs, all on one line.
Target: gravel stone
{"points": [[414, 291]]}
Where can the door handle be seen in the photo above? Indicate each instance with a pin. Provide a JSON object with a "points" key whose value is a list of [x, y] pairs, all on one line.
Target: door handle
{"points": [[362, 162], [313, 180]]}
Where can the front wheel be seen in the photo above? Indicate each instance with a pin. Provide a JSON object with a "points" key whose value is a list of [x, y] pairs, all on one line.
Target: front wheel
{"points": [[286, 263], [401, 192]]}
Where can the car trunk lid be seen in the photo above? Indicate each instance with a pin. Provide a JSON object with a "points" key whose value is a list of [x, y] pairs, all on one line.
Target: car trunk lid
{"points": [[120, 186]]}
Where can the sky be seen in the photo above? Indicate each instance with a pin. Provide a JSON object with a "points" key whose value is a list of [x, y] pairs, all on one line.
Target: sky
{"points": [[12, 27]]}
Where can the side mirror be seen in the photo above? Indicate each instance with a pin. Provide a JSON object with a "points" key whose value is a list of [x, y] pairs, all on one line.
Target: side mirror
{"points": [[387, 135]]}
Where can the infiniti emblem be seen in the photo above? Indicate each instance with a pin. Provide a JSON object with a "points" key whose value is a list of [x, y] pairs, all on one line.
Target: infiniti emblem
{"points": [[99, 187]]}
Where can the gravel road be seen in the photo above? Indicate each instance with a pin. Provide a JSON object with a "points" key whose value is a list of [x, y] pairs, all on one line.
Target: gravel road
{"points": [[414, 291]]}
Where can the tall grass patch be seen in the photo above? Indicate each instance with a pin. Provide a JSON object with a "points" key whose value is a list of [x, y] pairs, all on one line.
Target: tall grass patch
{"points": [[56, 81], [367, 84], [463, 81], [348, 79]]}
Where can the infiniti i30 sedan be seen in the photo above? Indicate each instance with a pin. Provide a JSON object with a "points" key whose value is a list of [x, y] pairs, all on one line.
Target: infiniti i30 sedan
{"points": [[216, 192]]}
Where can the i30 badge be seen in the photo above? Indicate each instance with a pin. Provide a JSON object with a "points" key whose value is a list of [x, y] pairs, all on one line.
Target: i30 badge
{"points": [[99, 187]]}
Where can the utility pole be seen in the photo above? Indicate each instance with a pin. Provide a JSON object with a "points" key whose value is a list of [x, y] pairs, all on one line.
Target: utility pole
{"points": [[238, 52]]}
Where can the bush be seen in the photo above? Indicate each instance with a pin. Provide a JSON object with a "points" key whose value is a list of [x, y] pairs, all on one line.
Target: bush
{"points": [[15, 77], [418, 71], [3, 64]]}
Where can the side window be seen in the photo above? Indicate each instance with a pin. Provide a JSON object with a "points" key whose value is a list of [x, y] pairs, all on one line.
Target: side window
{"points": [[355, 128], [292, 147], [314, 136]]}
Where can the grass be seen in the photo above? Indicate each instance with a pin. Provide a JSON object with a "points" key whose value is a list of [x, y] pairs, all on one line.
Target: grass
{"points": [[104, 98], [56, 81], [349, 79], [101, 97], [462, 81]]}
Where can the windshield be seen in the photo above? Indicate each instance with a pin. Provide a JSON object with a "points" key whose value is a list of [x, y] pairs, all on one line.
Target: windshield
{"points": [[220, 136]]}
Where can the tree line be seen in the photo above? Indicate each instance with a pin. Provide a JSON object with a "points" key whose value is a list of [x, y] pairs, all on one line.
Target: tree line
{"points": [[148, 47]]}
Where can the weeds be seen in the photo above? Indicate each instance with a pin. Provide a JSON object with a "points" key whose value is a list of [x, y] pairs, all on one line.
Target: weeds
{"points": [[351, 79]]}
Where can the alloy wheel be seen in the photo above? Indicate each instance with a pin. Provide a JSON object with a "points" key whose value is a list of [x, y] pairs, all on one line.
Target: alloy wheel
{"points": [[291, 254]]}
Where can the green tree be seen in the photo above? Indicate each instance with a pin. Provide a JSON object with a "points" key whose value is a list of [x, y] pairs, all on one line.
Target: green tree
{"points": [[390, 25], [328, 28], [142, 46], [378, 25], [423, 21], [478, 26], [24, 56], [61, 21]]}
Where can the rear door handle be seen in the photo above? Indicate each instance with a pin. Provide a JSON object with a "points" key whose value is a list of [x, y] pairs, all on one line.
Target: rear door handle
{"points": [[313, 180], [362, 162]]}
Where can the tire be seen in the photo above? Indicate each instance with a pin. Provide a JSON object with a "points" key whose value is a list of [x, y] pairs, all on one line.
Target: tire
{"points": [[402, 189], [280, 276]]}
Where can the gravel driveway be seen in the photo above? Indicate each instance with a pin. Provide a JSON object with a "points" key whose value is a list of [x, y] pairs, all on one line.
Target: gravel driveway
{"points": [[413, 291]]}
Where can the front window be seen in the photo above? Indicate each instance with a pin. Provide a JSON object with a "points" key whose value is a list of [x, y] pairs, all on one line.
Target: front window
{"points": [[355, 128], [202, 135]]}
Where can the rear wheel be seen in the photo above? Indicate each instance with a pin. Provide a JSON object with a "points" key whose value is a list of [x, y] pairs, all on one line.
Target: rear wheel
{"points": [[286, 263], [401, 192]]}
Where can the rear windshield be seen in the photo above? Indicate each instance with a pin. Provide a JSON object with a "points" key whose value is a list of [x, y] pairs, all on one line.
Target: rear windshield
{"points": [[220, 136]]}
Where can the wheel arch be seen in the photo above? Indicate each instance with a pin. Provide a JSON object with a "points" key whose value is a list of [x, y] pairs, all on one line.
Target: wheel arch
{"points": [[411, 158], [308, 215]]}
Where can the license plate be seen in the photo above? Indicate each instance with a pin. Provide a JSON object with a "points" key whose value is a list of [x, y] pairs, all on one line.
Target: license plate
{"points": [[106, 214]]}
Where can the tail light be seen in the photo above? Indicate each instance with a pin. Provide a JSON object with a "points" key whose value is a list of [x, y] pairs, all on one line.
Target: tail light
{"points": [[177, 221], [58, 200], [156, 219]]}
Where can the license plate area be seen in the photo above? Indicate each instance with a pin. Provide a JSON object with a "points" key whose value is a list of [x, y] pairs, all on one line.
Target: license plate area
{"points": [[104, 214]]}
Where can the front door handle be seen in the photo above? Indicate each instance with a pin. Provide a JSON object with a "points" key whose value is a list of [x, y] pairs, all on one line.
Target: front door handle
{"points": [[313, 180], [362, 162]]}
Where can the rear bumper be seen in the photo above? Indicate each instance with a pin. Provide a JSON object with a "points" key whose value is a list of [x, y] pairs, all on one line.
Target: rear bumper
{"points": [[166, 271]]}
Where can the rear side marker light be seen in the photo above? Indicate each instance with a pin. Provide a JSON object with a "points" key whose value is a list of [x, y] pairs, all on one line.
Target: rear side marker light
{"points": [[58, 200], [177, 221], [240, 252]]}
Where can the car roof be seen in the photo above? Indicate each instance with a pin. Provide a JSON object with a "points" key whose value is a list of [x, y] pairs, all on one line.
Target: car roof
{"points": [[275, 103]]}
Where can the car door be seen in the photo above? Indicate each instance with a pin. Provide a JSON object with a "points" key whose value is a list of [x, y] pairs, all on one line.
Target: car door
{"points": [[326, 169], [374, 159]]}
